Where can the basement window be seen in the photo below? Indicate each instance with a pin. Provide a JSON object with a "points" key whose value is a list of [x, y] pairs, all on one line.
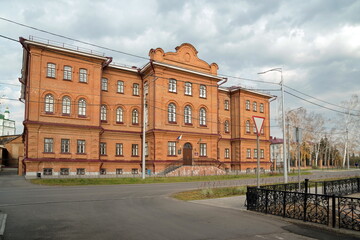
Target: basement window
{"points": [[64, 171], [47, 171]]}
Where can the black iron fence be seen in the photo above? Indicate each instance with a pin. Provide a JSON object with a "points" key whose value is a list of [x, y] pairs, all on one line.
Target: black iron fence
{"points": [[287, 201]]}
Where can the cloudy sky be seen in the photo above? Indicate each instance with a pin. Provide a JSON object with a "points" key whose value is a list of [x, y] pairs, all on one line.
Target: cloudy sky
{"points": [[316, 43]]}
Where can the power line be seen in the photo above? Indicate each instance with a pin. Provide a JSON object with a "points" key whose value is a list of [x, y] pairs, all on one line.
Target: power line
{"points": [[247, 79], [334, 110], [72, 39]]}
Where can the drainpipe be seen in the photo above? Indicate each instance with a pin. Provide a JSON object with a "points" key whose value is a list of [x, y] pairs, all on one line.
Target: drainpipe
{"points": [[154, 94], [218, 117]]}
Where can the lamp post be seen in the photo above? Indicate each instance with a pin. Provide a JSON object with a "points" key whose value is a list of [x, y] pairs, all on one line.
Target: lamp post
{"points": [[283, 119]]}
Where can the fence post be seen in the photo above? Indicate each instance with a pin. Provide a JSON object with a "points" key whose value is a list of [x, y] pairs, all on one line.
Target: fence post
{"points": [[358, 182], [305, 198], [266, 201], [324, 187], [316, 183], [284, 204], [333, 212]]}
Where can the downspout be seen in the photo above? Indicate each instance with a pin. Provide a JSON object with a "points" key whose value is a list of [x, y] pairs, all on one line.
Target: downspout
{"points": [[218, 120], [26, 83], [154, 94], [103, 65], [143, 166]]}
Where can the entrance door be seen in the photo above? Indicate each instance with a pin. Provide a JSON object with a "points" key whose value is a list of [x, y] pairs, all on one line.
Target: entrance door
{"points": [[187, 154]]}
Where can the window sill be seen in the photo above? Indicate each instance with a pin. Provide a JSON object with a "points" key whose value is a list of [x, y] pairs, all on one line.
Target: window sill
{"points": [[65, 115], [203, 97], [49, 113], [69, 80], [188, 124], [171, 155], [82, 116], [83, 82], [172, 122], [66, 153], [104, 90], [136, 95], [135, 124], [120, 92], [120, 123], [203, 126], [80, 153], [134, 155], [51, 77], [119, 155], [189, 95], [48, 153], [103, 121]]}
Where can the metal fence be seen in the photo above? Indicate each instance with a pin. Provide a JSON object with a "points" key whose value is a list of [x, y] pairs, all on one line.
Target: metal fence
{"points": [[285, 200]]}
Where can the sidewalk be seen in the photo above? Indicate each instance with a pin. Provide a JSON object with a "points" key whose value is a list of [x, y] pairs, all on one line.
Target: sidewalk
{"points": [[3, 217], [237, 202]]}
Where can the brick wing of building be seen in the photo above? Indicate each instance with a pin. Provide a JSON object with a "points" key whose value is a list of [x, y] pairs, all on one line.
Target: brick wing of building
{"points": [[84, 115]]}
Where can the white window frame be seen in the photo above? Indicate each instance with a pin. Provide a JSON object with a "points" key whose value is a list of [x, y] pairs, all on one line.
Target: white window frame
{"points": [[103, 112], [226, 126], [248, 153], [202, 116], [261, 107], [172, 113], [172, 148], [136, 89], [172, 85], [135, 117], [226, 105], [202, 91], [82, 107], [188, 114], [49, 103], [247, 105], [51, 70], [255, 106], [103, 148], [227, 153], [261, 153], [119, 115], [247, 126], [66, 105], [104, 84], [188, 88], [65, 145], [81, 144], [119, 149], [120, 86], [203, 149], [134, 150], [67, 72], [48, 145], [255, 153], [83, 75]]}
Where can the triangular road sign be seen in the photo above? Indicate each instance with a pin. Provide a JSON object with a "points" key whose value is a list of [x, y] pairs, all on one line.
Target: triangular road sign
{"points": [[259, 122]]}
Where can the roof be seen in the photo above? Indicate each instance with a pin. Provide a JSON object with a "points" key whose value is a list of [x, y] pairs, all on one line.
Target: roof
{"points": [[274, 140], [237, 88], [6, 139]]}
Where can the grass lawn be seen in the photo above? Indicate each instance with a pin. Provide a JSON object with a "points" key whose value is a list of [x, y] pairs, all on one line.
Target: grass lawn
{"points": [[138, 180], [209, 193]]}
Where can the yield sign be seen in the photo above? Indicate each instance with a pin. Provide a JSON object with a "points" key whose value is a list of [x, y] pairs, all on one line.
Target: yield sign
{"points": [[259, 122]]}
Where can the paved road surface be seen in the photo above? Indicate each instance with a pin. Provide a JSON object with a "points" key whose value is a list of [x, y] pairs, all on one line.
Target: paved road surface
{"points": [[136, 212]]}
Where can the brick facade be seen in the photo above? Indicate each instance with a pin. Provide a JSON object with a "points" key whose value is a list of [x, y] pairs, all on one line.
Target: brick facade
{"points": [[77, 127]]}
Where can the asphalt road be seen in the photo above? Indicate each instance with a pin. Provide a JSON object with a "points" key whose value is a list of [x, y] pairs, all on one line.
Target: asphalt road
{"points": [[137, 212]]}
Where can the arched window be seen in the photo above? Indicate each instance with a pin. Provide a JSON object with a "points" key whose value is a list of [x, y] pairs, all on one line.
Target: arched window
{"points": [[261, 107], [187, 115], [66, 105], [254, 106], [202, 116], [49, 103], [247, 105], [247, 126], [119, 115], [226, 126], [135, 116], [172, 113], [202, 91], [82, 107], [103, 113]]}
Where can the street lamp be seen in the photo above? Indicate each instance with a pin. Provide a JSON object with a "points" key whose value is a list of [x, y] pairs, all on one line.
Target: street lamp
{"points": [[283, 119]]}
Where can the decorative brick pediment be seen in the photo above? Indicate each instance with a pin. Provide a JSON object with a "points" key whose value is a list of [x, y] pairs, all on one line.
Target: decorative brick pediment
{"points": [[186, 57]]}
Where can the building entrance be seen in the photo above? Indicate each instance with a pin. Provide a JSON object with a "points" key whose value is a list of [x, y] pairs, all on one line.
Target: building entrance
{"points": [[187, 154]]}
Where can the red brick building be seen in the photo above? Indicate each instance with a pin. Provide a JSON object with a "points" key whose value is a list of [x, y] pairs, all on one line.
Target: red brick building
{"points": [[84, 115]]}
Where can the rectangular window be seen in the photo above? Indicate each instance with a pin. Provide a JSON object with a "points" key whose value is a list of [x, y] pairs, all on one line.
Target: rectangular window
{"points": [[64, 171], [119, 171], [188, 88], [80, 146], [47, 171], [136, 89], [146, 149], [48, 145], [51, 70], [261, 107], [67, 73], [248, 153], [254, 106], [104, 84], [102, 148], [261, 153], [255, 153], [203, 152], [65, 145], [80, 171], [226, 104], [247, 105], [83, 75], [135, 150], [227, 153], [202, 91], [119, 149], [171, 148], [120, 86], [172, 85]]}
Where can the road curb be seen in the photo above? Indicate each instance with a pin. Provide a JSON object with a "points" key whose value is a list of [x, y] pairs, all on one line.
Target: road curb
{"points": [[3, 217]]}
